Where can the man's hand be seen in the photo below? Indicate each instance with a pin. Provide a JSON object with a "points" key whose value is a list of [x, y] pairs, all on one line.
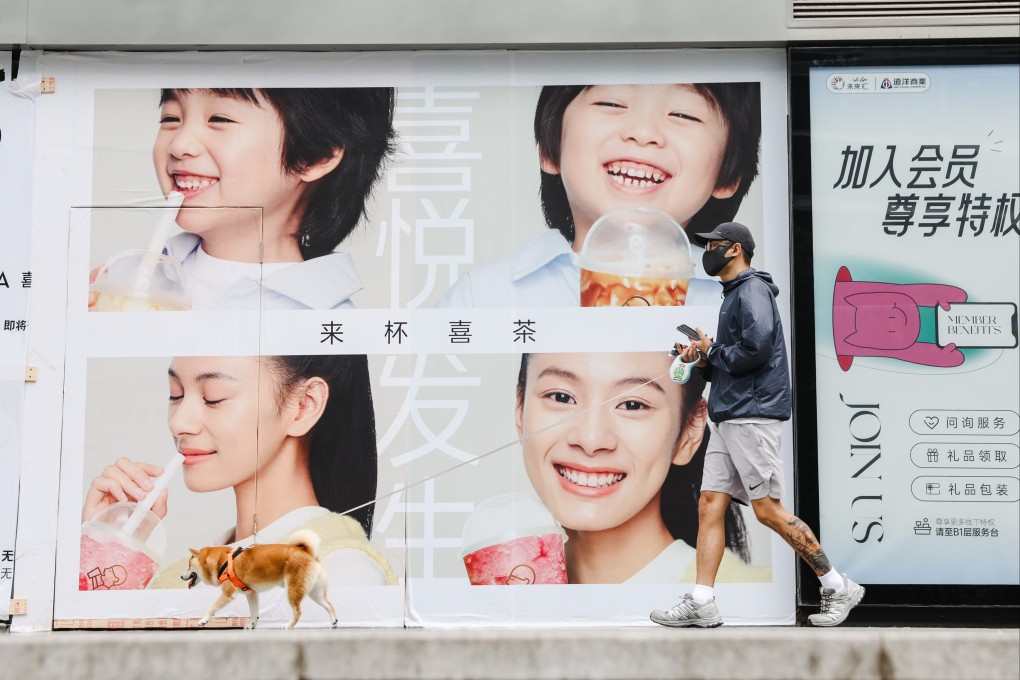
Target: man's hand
{"points": [[703, 341], [690, 354]]}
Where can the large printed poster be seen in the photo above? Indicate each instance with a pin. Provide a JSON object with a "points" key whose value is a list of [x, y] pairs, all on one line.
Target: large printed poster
{"points": [[357, 295], [16, 113], [916, 211]]}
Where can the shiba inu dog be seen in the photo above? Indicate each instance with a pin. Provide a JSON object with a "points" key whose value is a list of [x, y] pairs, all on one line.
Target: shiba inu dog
{"points": [[294, 565]]}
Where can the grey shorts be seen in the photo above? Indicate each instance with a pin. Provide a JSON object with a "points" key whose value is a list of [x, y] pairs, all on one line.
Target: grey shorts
{"points": [[743, 460]]}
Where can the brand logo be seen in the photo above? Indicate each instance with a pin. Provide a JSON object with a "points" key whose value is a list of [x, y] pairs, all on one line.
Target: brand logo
{"points": [[877, 83]]}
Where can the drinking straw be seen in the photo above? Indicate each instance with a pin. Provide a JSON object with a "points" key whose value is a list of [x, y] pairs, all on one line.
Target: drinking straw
{"points": [[144, 505], [166, 221]]}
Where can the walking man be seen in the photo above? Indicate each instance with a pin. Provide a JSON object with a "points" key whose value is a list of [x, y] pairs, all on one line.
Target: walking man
{"points": [[749, 399]]}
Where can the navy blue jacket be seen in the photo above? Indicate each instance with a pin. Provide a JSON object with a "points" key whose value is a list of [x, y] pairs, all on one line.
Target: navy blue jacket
{"points": [[747, 363]]}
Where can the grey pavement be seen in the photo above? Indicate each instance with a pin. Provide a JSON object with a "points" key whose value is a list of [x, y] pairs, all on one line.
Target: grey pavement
{"points": [[517, 653]]}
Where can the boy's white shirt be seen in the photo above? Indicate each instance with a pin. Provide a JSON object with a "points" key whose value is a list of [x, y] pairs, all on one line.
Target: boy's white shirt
{"points": [[544, 272], [325, 282]]}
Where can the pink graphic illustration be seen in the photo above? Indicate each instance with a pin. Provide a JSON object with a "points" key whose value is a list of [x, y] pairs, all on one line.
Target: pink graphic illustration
{"points": [[874, 319], [105, 579]]}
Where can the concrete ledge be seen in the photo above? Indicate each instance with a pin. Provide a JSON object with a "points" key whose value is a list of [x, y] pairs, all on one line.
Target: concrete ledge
{"points": [[589, 653]]}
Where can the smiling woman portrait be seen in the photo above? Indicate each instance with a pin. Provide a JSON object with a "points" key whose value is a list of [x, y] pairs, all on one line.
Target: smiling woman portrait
{"points": [[615, 450]]}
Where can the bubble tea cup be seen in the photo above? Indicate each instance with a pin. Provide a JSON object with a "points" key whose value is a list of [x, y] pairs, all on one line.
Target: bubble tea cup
{"points": [[635, 257], [513, 540], [122, 547], [119, 287], [144, 280], [112, 559]]}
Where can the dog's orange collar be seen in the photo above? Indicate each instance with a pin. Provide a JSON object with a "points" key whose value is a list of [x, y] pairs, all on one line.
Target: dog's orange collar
{"points": [[227, 571]]}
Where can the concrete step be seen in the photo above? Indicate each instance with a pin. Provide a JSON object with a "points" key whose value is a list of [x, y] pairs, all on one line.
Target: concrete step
{"points": [[516, 654]]}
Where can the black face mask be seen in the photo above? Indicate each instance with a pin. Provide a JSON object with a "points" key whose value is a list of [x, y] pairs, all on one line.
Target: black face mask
{"points": [[714, 261]]}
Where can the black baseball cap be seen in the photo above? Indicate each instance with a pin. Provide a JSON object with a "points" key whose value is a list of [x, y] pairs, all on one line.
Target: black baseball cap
{"points": [[732, 231]]}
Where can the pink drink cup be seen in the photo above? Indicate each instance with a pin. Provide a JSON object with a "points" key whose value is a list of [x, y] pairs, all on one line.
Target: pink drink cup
{"points": [[108, 564], [526, 560], [122, 546]]}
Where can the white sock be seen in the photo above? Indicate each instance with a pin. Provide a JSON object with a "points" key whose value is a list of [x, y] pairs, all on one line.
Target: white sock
{"points": [[702, 594], [832, 580]]}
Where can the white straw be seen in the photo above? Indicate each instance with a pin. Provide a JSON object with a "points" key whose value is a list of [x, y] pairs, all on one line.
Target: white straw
{"points": [[144, 505], [167, 220]]}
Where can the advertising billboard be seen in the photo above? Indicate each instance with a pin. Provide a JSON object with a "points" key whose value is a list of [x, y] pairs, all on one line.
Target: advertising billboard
{"points": [[914, 235], [357, 294]]}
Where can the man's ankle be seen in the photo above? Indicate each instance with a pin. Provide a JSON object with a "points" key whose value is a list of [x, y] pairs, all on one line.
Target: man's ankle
{"points": [[832, 580], [702, 594]]}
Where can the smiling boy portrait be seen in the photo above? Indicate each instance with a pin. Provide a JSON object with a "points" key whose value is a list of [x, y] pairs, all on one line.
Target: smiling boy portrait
{"points": [[687, 150]]}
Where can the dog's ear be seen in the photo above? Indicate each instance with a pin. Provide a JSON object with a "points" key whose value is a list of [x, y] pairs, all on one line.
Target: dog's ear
{"points": [[193, 552], [211, 560]]}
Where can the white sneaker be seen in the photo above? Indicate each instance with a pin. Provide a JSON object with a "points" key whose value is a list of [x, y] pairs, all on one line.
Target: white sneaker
{"points": [[836, 606], [689, 613]]}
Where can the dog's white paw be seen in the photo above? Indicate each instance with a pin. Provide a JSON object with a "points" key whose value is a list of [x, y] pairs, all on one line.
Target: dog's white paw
{"points": [[204, 621], [333, 625], [251, 624]]}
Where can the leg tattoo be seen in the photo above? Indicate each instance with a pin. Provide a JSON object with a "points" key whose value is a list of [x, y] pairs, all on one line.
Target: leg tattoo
{"points": [[803, 541]]}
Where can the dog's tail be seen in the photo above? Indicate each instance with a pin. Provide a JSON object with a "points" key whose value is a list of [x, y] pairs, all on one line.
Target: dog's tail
{"points": [[307, 540]]}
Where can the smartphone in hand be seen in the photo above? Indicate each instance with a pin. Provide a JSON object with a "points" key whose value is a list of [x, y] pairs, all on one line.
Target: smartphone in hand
{"points": [[688, 331]]}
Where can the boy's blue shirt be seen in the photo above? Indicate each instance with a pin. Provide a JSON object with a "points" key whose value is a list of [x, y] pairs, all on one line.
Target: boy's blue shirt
{"points": [[326, 282], [542, 272], [538, 273]]}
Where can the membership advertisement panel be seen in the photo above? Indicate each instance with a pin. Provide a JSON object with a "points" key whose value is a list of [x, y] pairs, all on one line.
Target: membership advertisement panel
{"points": [[418, 304], [915, 181]]}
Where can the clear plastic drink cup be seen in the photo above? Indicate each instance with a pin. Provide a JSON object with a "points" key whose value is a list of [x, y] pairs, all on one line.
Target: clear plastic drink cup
{"points": [[513, 540], [124, 284], [144, 280], [112, 559], [635, 257], [122, 547]]}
